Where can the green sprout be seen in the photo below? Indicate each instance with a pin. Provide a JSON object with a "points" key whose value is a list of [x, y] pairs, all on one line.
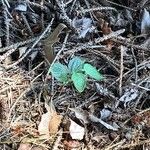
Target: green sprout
{"points": [[77, 72]]}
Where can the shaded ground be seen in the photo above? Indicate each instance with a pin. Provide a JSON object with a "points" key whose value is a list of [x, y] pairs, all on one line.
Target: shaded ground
{"points": [[113, 36]]}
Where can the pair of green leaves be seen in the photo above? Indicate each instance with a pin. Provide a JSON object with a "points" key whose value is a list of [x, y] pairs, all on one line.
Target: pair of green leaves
{"points": [[77, 71]]}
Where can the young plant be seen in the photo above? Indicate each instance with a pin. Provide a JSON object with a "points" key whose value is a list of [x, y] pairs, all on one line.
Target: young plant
{"points": [[77, 72]]}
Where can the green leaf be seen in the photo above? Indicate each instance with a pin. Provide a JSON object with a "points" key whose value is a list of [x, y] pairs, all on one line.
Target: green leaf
{"points": [[92, 72], [60, 72], [79, 81], [75, 64]]}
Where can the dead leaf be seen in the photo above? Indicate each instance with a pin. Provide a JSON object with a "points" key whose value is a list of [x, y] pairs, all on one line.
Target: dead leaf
{"points": [[54, 123], [51, 40], [145, 24], [49, 124], [43, 127], [129, 95], [38, 148], [76, 131], [105, 28], [21, 7], [19, 127], [104, 25], [81, 114], [25, 146], [84, 26], [108, 126], [87, 117], [71, 144], [17, 130], [99, 137], [105, 113], [109, 44], [22, 50]]}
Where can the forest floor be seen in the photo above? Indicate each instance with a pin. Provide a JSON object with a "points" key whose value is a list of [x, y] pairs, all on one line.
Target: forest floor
{"points": [[75, 75]]}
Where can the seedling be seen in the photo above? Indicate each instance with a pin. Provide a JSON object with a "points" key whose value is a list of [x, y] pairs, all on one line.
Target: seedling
{"points": [[77, 72]]}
